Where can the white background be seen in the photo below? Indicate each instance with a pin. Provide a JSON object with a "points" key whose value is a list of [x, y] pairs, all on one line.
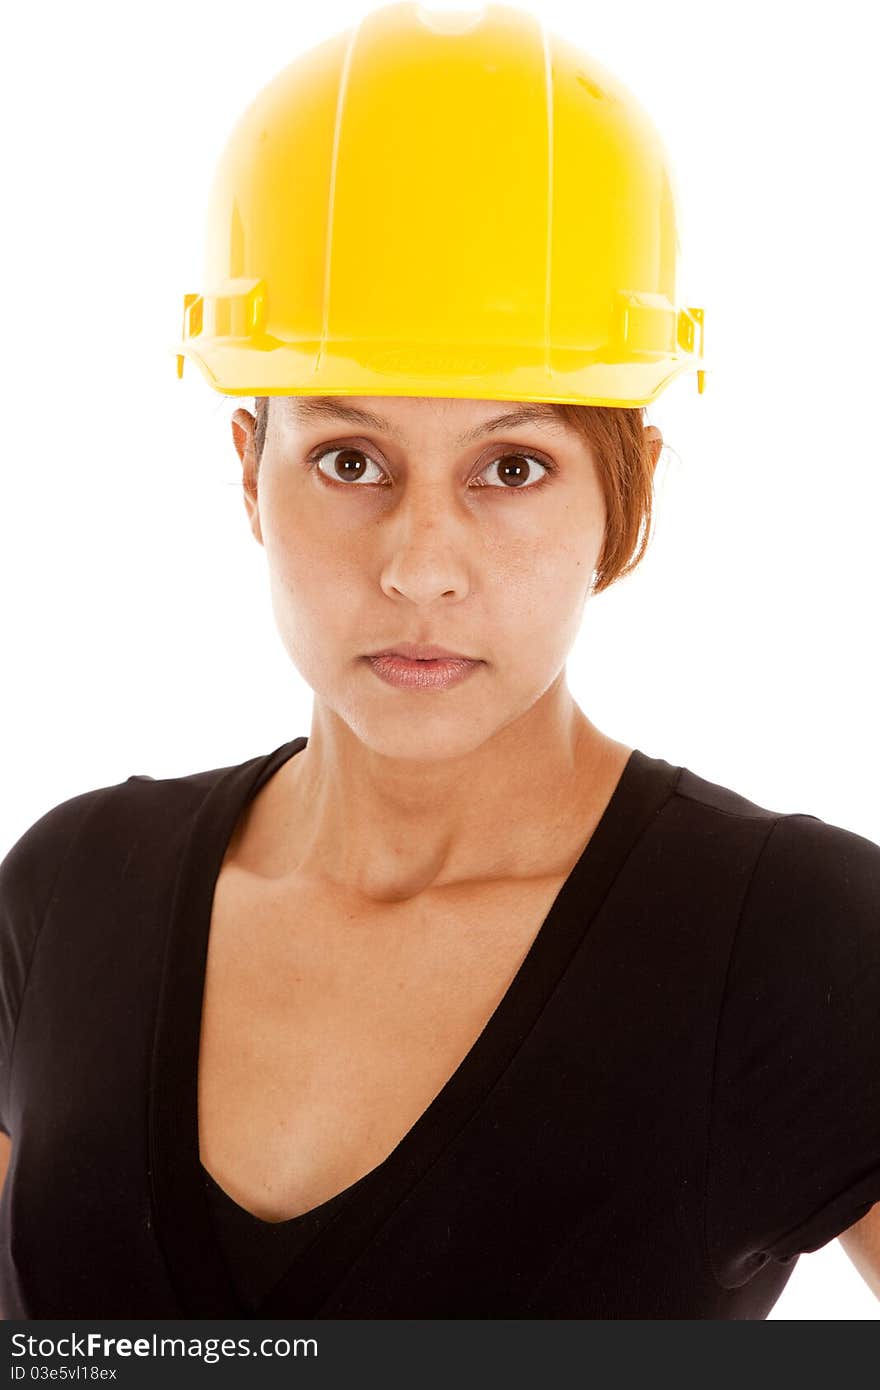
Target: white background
{"points": [[136, 626]]}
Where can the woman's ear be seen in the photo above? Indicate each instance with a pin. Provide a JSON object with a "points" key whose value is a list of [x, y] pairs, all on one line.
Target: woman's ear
{"points": [[655, 442], [243, 426]]}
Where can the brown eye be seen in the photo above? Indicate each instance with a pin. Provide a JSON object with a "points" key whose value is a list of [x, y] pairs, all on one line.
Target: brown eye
{"points": [[349, 465], [517, 471]]}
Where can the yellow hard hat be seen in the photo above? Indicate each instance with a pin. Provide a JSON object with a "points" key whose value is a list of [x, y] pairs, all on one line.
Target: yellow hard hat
{"points": [[443, 204]]}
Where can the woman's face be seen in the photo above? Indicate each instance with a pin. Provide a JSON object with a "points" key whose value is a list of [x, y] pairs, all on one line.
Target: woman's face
{"points": [[428, 524]]}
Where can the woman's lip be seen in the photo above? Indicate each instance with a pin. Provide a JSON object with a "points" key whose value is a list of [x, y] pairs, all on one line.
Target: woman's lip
{"points": [[435, 674], [414, 651]]}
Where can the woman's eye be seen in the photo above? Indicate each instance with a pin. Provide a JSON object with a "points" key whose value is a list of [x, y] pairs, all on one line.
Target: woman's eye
{"points": [[349, 465], [516, 472]]}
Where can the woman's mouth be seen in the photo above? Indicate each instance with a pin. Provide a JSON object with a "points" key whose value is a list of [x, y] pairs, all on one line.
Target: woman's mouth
{"points": [[436, 673]]}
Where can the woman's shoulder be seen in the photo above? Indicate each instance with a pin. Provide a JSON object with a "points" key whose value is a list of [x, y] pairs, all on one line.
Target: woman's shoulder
{"points": [[797, 882], [715, 796], [100, 821], [794, 843], [46, 838]]}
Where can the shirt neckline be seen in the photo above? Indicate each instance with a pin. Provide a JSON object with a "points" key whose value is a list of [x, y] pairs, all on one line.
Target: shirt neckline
{"points": [[182, 1211]]}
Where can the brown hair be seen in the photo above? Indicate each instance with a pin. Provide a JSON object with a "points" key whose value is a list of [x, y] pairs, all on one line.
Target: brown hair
{"points": [[616, 435]]}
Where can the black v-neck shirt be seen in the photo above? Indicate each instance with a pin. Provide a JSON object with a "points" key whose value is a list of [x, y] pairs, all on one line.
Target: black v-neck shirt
{"points": [[678, 1093], [258, 1252]]}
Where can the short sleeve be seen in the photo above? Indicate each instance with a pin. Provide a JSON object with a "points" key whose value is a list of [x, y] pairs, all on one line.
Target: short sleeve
{"points": [[794, 1137], [27, 877]]}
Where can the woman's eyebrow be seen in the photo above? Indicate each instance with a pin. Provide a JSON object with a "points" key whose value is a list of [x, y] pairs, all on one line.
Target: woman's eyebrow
{"points": [[308, 408]]}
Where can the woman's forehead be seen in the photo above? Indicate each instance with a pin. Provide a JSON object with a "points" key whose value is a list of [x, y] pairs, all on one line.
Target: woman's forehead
{"points": [[476, 417]]}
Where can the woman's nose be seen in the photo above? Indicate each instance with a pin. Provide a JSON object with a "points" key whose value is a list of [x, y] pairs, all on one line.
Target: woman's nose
{"points": [[427, 550]]}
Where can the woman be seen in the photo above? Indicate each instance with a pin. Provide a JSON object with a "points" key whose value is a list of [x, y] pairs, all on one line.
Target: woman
{"points": [[458, 1007]]}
